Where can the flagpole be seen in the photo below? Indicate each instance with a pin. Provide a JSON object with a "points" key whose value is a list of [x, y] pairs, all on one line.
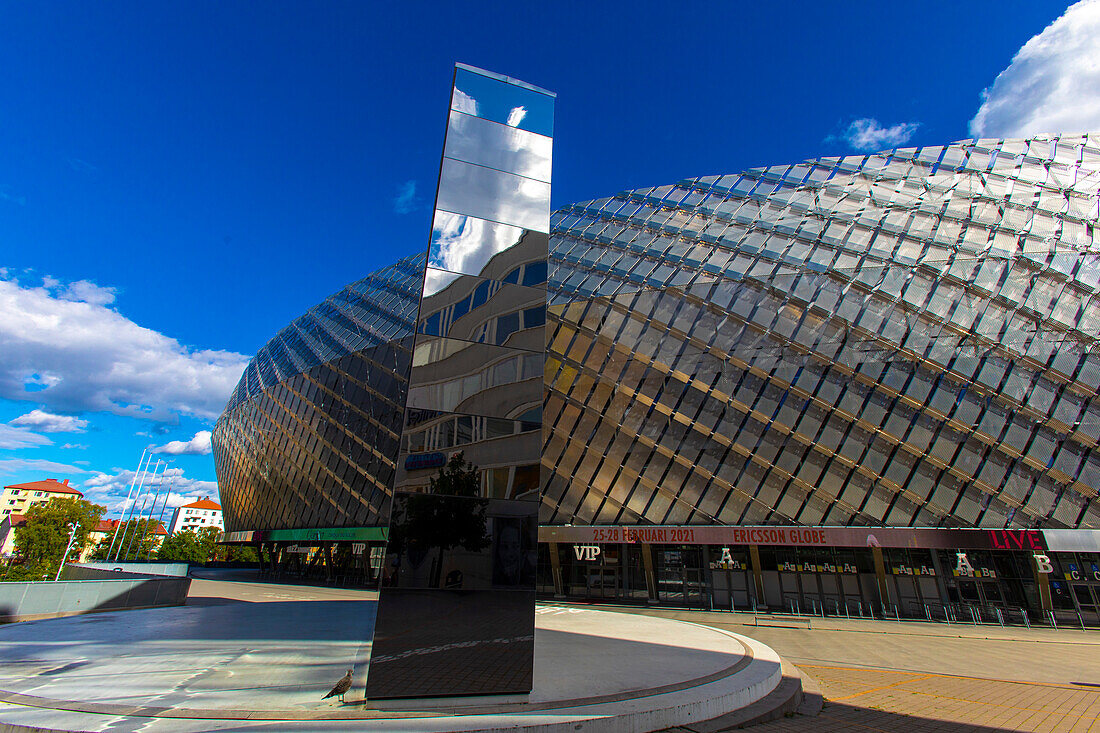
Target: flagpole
{"points": [[141, 484], [133, 480]]}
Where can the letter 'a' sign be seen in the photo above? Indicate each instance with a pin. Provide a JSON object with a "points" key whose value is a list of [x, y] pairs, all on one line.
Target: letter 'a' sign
{"points": [[962, 565], [586, 552]]}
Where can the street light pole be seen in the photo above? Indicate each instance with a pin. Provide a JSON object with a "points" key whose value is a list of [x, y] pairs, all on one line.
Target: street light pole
{"points": [[72, 535]]}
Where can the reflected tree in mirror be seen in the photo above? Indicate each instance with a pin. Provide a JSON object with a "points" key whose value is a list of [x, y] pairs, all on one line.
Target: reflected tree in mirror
{"points": [[425, 522], [458, 478]]}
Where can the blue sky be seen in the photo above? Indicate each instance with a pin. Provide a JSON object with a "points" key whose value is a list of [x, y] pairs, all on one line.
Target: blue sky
{"points": [[180, 180]]}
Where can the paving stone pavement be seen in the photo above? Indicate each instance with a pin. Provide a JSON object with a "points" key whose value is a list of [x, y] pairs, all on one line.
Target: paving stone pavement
{"points": [[878, 676], [884, 700]]}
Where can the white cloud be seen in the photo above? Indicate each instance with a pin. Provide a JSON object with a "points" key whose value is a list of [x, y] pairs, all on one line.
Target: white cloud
{"points": [[75, 446], [48, 422], [174, 488], [197, 446], [16, 465], [406, 201], [868, 135], [463, 102], [84, 357], [1052, 84], [13, 438], [88, 292], [516, 116], [7, 195]]}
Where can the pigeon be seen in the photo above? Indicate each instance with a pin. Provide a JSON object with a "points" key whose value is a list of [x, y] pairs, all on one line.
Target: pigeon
{"points": [[341, 687]]}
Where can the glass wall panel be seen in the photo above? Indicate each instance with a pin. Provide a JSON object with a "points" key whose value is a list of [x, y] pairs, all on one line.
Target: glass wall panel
{"points": [[496, 145], [477, 379], [504, 100], [490, 194], [466, 244]]}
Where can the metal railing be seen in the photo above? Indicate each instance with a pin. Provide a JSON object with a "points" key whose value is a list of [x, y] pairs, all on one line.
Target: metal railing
{"points": [[974, 614]]}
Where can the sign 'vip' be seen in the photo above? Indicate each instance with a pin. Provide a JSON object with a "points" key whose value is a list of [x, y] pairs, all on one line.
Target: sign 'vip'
{"points": [[586, 552]]}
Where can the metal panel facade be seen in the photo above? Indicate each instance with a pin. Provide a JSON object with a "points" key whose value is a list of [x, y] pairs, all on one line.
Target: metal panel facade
{"points": [[901, 339]]}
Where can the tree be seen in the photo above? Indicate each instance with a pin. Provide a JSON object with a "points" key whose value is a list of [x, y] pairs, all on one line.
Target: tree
{"points": [[237, 553], [134, 542], [42, 540], [208, 541], [187, 545], [182, 546]]}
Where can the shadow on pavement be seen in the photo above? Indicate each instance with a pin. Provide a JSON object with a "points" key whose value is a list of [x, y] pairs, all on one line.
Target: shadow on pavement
{"points": [[210, 618], [841, 718]]}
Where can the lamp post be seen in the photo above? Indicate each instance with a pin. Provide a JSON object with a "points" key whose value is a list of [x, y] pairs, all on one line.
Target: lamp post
{"points": [[72, 536]]}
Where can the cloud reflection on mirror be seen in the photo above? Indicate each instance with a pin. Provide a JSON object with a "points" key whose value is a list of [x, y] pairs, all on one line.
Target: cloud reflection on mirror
{"points": [[498, 101], [465, 244], [505, 148], [494, 195]]}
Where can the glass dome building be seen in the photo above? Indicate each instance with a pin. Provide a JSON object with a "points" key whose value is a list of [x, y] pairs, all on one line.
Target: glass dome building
{"points": [[875, 362]]}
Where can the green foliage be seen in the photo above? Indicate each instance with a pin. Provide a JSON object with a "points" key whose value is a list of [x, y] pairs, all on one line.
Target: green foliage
{"points": [[239, 553], [41, 541], [187, 545], [134, 543], [208, 541], [182, 546], [17, 572]]}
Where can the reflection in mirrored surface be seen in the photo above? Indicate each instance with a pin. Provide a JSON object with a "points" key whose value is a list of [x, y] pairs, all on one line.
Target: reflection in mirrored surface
{"points": [[470, 245], [494, 145], [452, 642], [460, 543], [494, 195], [486, 311], [463, 532], [515, 106], [506, 453], [479, 379]]}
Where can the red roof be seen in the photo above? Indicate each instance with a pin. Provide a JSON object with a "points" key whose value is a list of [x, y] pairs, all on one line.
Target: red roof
{"points": [[203, 503], [108, 525], [51, 485]]}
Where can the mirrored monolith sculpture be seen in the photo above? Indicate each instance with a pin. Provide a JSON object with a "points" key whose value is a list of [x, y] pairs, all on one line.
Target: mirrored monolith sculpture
{"points": [[456, 609]]}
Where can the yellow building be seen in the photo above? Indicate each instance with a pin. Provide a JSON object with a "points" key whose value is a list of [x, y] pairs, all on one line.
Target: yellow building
{"points": [[18, 498]]}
